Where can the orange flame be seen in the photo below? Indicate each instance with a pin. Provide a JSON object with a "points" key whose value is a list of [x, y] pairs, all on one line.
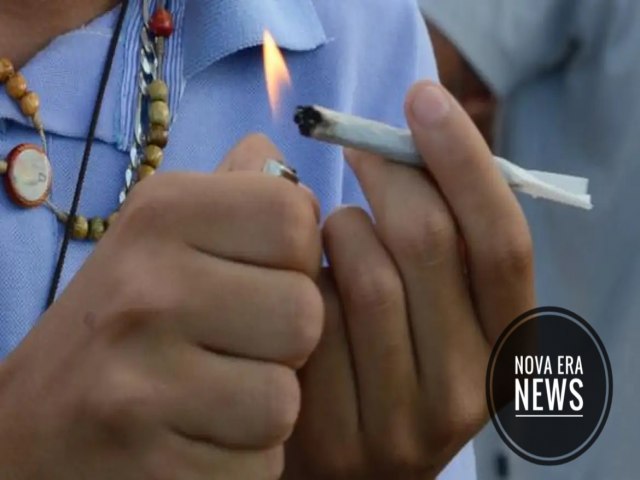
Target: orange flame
{"points": [[275, 71]]}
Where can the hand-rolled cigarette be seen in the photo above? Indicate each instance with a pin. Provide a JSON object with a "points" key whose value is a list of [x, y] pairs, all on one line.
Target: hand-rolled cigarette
{"points": [[397, 145]]}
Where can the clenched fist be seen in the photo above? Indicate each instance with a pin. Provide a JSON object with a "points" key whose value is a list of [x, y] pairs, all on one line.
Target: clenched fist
{"points": [[171, 355]]}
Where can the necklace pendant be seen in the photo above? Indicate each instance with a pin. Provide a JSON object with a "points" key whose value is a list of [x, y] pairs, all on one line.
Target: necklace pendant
{"points": [[28, 176]]}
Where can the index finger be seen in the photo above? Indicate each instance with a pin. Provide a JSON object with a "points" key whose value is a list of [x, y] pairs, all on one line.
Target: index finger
{"points": [[490, 219]]}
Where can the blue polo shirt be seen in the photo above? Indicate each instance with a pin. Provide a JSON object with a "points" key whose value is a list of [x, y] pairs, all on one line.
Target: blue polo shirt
{"points": [[359, 56]]}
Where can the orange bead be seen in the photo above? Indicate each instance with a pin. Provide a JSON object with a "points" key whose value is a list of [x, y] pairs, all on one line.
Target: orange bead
{"points": [[16, 86], [30, 103], [161, 23], [6, 70]]}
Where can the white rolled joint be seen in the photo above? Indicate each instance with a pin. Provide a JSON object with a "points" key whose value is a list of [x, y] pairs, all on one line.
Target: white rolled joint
{"points": [[397, 145]]}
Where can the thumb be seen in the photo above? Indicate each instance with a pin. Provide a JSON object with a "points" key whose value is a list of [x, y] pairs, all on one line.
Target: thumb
{"points": [[250, 154]]}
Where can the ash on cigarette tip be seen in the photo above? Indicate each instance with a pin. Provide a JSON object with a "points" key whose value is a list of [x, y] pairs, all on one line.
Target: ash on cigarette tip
{"points": [[307, 118]]}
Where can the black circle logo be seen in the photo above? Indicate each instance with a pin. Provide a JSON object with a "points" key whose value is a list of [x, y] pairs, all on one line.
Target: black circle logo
{"points": [[549, 386]]}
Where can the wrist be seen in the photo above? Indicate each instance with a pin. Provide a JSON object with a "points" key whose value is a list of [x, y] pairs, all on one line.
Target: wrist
{"points": [[17, 439], [8, 443]]}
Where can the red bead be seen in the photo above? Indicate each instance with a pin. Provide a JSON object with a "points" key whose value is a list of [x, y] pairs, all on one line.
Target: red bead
{"points": [[28, 176], [161, 23]]}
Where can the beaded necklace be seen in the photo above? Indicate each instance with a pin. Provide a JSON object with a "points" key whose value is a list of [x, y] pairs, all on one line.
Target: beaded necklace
{"points": [[27, 170]]}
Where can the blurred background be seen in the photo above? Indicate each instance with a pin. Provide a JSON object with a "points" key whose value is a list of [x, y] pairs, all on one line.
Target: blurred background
{"points": [[552, 84]]}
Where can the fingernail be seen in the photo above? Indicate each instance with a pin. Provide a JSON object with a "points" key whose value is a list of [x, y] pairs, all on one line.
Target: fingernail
{"points": [[430, 105]]}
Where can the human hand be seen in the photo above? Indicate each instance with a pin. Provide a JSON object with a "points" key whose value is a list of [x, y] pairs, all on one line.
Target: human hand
{"points": [[413, 304], [172, 352]]}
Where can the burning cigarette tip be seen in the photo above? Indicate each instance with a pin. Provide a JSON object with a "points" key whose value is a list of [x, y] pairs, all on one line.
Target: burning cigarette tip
{"points": [[307, 118]]}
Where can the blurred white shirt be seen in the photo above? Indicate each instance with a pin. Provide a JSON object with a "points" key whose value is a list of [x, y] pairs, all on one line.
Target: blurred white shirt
{"points": [[568, 73]]}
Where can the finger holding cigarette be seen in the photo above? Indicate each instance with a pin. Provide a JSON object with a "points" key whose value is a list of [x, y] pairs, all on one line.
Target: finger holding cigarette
{"points": [[482, 206], [417, 317], [398, 145], [495, 231]]}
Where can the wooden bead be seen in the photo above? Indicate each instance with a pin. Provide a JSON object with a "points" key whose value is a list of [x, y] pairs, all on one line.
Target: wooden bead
{"points": [[96, 228], [158, 91], [158, 135], [80, 228], [153, 156], [30, 104], [159, 114], [145, 171], [6, 70], [16, 86], [3, 167], [111, 219]]}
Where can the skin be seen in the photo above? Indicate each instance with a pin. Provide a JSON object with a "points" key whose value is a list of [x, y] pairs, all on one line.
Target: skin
{"points": [[149, 373], [150, 366], [27, 26], [396, 386]]}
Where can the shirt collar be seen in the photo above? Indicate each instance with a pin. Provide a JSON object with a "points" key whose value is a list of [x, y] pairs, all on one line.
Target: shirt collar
{"points": [[67, 78], [215, 29]]}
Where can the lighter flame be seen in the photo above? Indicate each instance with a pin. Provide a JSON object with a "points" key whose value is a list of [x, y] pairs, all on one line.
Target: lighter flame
{"points": [[275, 71]]}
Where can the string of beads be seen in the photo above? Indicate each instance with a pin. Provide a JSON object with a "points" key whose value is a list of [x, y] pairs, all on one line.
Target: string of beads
{"points": [[27, 170]]}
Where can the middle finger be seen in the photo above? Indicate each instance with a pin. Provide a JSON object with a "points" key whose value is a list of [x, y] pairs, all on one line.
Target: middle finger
{"points": [[373, 299], [415, 224]]}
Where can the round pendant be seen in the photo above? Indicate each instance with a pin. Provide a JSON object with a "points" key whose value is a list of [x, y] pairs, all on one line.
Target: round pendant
{"points": [[28, 176]]}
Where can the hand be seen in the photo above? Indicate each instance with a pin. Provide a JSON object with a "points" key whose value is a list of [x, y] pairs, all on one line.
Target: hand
{"points": [[172, 353], [414, 303]]}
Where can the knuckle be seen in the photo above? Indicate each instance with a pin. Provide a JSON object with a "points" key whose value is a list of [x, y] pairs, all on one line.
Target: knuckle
{"points": [[142, 210], [402, 448], [429, 240], [512, 255], [119, 405], [291, 208], [260, 140], [375, 291], [135, 289], [456, 427], [344, 216], [282, 398], [139, 301], [144, 275], [299, 234], [408, 460], [341, 465], [306, 314], [148, 203]]}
